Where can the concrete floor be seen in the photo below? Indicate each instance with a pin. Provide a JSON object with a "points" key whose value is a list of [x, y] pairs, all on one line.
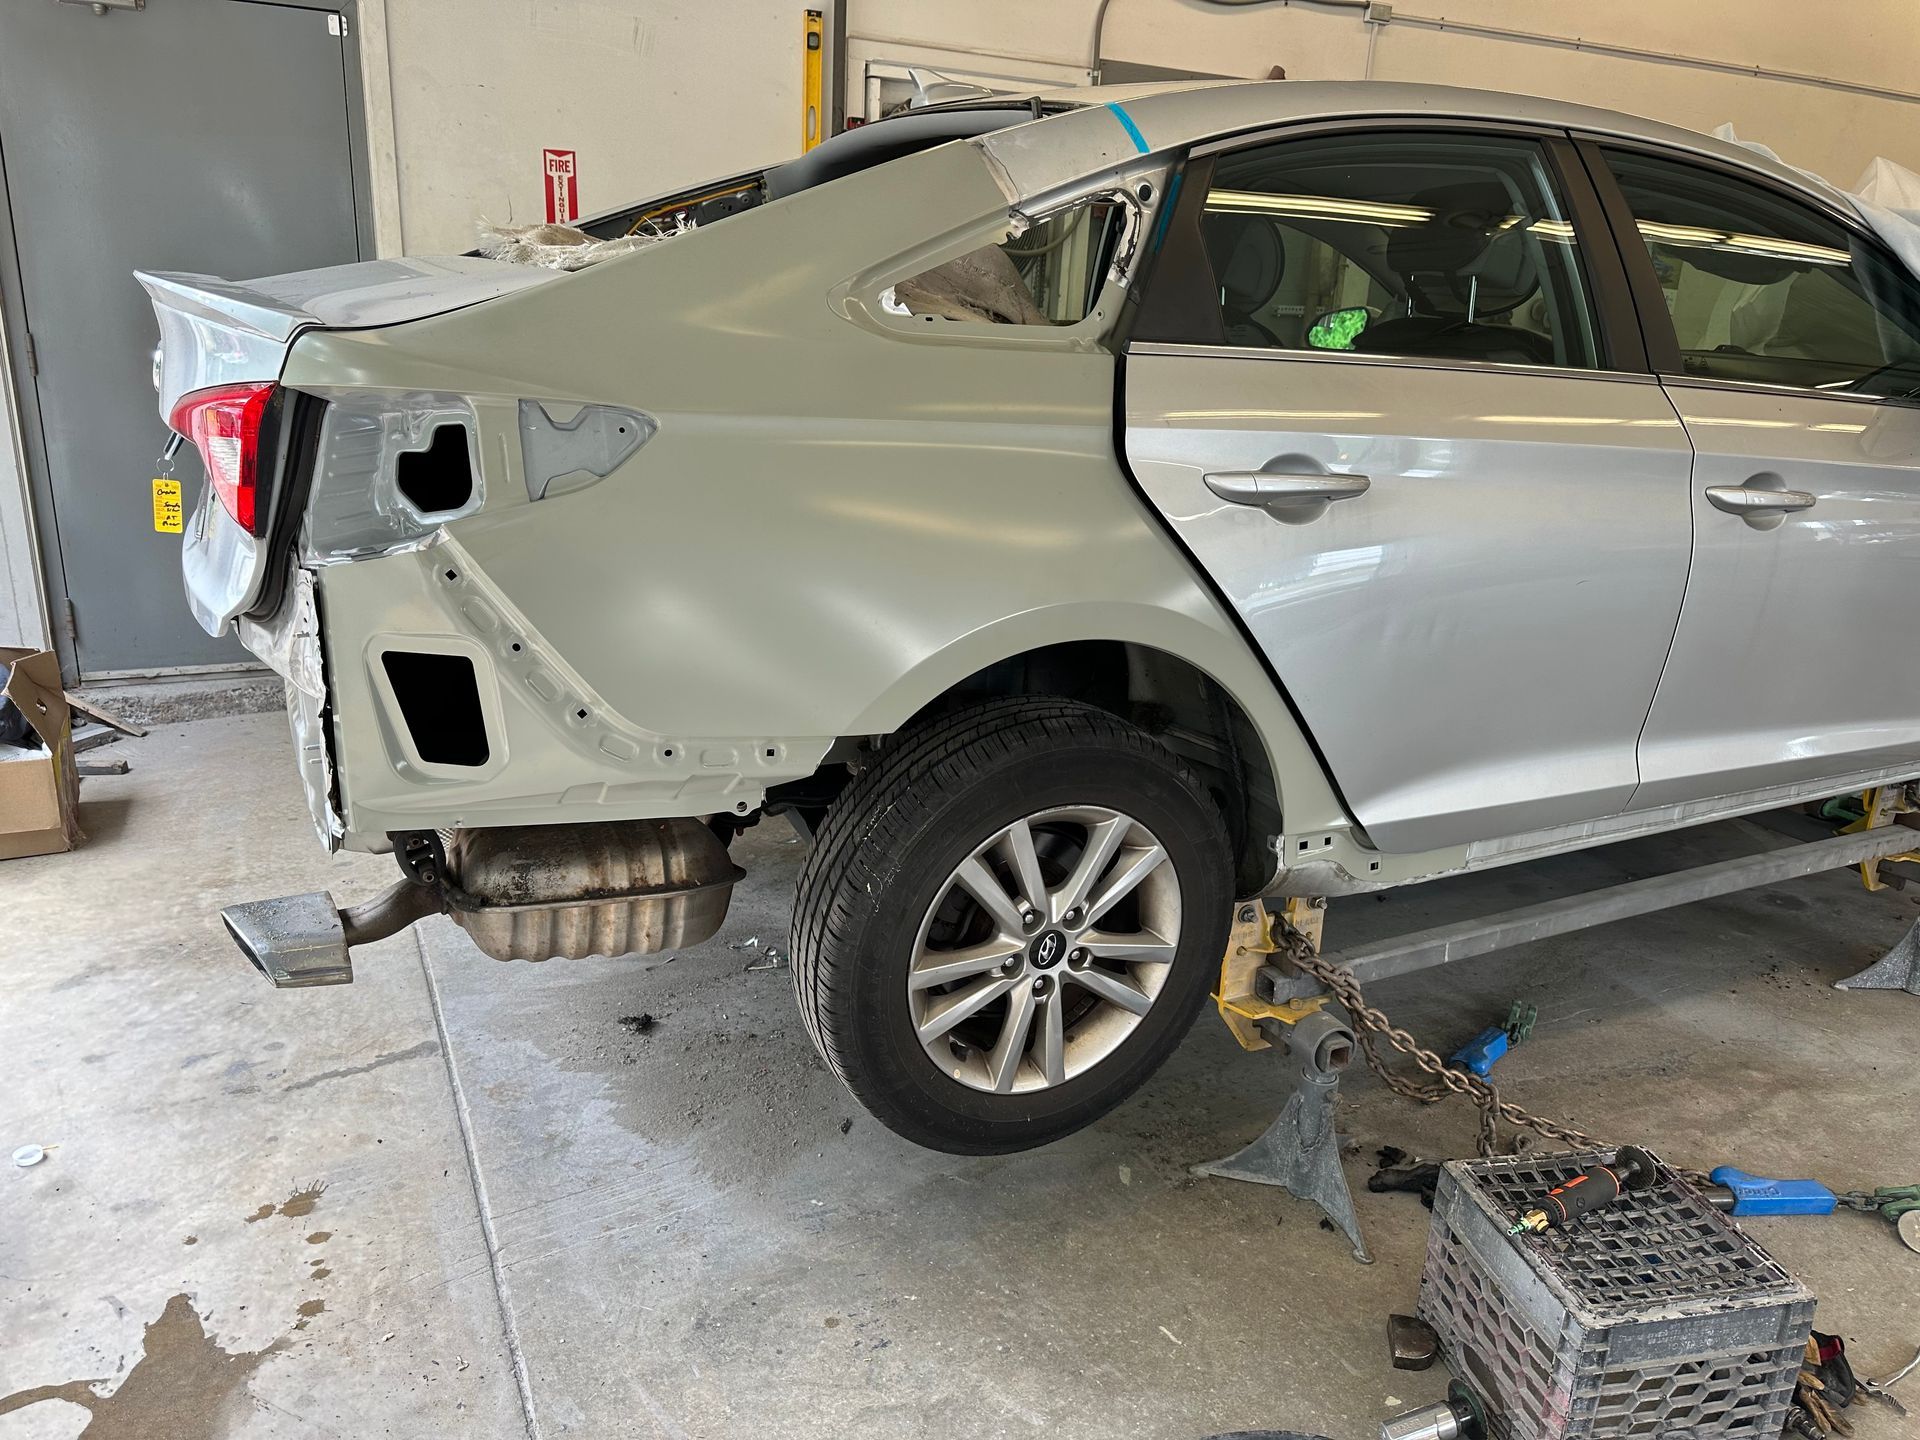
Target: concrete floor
{"points": [[460, 1198]]}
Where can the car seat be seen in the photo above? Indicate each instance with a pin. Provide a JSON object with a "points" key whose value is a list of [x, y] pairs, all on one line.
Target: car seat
{"points": [[1462, 272], [1249, 261]]}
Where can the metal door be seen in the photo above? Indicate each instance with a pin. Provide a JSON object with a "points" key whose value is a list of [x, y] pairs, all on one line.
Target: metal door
{"points": [[197, 135], [1788, 666], [1426, 466], [1789, 339], [1472, 640]]}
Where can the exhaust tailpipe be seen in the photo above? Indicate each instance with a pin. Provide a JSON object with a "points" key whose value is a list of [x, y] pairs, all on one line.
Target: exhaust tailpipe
{"points": [[301, 940], [528, 892]]}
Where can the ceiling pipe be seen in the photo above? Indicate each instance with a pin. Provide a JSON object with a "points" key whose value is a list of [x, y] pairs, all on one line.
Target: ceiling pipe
{"points": [[1385, 14]]}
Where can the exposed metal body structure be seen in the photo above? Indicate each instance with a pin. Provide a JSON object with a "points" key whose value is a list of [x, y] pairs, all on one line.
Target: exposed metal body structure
{"points": [[894, 444], [731, 512]]}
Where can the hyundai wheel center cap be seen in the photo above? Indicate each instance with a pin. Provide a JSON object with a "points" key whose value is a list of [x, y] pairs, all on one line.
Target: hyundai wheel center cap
{"points": [[1049, 948]]}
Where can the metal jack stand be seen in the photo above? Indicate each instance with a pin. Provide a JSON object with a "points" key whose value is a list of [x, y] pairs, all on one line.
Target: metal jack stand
{"points": [[1300, 1151], [1898, 969], [1262, 998]]}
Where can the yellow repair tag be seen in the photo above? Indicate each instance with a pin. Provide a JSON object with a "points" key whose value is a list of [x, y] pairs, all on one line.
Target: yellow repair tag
{"points": [[168, 517]]}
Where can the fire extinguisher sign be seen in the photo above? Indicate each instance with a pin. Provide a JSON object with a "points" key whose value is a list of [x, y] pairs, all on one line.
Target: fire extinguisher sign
{"points": [[563, 189]]}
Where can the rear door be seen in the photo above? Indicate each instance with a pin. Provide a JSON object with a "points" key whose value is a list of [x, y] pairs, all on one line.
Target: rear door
{"points": [[1382, 388], [1790, 344], [196, 135]]}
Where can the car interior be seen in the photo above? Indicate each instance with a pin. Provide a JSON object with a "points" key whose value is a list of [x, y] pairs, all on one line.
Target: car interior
{"points": [[1410, 248]]}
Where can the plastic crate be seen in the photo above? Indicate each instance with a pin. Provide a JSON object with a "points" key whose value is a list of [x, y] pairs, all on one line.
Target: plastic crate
{"points": [[1652, 1317]]}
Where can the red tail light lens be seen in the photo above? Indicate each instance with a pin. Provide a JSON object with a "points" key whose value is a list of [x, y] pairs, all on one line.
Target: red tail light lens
{"points": [[224, 425]]}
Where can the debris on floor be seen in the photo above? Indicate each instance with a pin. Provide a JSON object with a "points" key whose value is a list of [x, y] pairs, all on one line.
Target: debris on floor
{"points": [[29, 1155], [92, 734], [637, 1024], [772, 958]]}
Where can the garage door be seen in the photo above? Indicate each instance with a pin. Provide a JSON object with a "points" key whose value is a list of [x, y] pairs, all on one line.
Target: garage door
{"points": [[201, 135]]}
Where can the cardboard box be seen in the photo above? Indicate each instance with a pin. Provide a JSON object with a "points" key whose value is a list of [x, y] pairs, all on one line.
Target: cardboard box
{"points": [[39, 795]]}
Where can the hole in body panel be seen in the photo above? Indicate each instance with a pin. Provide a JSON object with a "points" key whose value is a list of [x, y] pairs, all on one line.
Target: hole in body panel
{"points": [[440, 477], [439, 699]]}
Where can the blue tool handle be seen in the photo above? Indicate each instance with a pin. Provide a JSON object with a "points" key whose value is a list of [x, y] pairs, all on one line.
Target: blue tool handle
{"points": [[1479, 1053], [1758, 1195]]}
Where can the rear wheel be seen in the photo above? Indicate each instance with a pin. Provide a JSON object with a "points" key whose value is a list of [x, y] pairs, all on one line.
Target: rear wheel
{"points": [[1008, 923]]}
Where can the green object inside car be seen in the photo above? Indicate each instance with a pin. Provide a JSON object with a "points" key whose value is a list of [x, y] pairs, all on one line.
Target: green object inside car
{"points": [[1338, 329]]}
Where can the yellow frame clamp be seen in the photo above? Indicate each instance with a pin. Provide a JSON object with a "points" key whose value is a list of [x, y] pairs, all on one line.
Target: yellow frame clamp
{"points": [[1882, 804], [1249, 943]]}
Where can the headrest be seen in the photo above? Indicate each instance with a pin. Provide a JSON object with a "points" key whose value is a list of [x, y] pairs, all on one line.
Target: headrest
{"points": [[1506, 270], [1248, 257], [1462, 241]]}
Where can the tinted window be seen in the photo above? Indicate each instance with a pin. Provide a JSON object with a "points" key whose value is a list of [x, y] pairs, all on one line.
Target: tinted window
{"points": [[1409, 243], [1766, 288]]}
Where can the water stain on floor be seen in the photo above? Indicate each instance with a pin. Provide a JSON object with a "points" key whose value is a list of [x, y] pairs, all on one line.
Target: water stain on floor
{"points": [[296, 1206], [180, 1387]]}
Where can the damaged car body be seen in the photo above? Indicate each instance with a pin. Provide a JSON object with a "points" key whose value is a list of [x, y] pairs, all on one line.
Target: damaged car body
{"points": [[1075, 514]]}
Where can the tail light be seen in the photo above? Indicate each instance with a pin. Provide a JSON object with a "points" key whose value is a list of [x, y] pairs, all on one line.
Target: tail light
{"points": [[224, 425]]}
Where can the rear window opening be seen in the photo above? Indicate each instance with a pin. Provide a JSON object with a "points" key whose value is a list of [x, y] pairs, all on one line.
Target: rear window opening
{"points": [[439, 699], [439, 478], [847, 153]]}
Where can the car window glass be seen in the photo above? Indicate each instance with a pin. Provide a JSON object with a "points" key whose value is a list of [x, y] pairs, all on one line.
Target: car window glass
{"points": [[1412, 243], [1762, 287], [1050, 275]]}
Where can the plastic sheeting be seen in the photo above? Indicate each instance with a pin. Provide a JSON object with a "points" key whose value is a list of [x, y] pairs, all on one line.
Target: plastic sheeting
{"points": [[1887, 198], [566, 247]]}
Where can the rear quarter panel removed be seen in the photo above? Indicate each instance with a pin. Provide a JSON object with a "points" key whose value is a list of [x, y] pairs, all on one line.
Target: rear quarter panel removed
{"points": [[835, 522]]}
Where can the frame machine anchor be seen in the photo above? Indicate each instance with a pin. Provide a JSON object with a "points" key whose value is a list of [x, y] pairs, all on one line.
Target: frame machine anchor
{"points": [[1300, 1150]]}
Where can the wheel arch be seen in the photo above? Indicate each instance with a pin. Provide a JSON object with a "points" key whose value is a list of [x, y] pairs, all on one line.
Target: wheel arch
{"points": [[1173, 676]]}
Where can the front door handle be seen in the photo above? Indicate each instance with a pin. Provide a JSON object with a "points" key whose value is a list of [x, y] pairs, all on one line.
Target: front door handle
{"points": [[1758, 506], [1293, 499]]}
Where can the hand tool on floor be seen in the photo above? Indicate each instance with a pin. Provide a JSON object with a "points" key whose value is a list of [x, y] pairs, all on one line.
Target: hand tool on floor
{"points": [[1592, 1189], [1879, 1388], [1458, 1417], [1411, 1342], [1480, 1053]]}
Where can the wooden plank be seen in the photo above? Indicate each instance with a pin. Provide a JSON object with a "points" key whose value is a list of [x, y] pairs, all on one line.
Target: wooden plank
{"points": [[105, 717]]}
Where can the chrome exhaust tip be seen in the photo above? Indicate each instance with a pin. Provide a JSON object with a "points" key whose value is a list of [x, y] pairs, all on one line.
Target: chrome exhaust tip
{"points": [[295, 940], [301, 940]]}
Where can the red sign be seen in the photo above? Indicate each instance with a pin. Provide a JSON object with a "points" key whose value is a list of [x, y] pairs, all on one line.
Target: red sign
{"points": [[563, 190]]}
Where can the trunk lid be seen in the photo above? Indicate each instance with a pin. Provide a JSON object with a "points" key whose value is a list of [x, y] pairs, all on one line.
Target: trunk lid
{"points": [[216, 333]]}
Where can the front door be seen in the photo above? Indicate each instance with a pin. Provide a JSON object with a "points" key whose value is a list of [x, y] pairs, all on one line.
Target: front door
{"points": [[1381, 418], [198, 135], [1792, 345]]}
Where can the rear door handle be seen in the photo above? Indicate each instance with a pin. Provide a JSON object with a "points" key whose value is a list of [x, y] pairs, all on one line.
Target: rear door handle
{"points": [[1757, 505], [1294, 499]]}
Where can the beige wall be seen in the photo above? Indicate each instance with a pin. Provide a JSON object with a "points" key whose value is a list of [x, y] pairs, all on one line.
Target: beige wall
{"points": [[648, 93], [463, 94]]}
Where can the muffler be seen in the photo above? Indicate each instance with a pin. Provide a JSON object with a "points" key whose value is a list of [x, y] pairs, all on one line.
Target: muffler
{"points": [[525, 892]]}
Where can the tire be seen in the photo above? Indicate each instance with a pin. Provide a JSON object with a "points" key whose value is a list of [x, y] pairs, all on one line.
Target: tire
{"points": [[883, 901]]}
